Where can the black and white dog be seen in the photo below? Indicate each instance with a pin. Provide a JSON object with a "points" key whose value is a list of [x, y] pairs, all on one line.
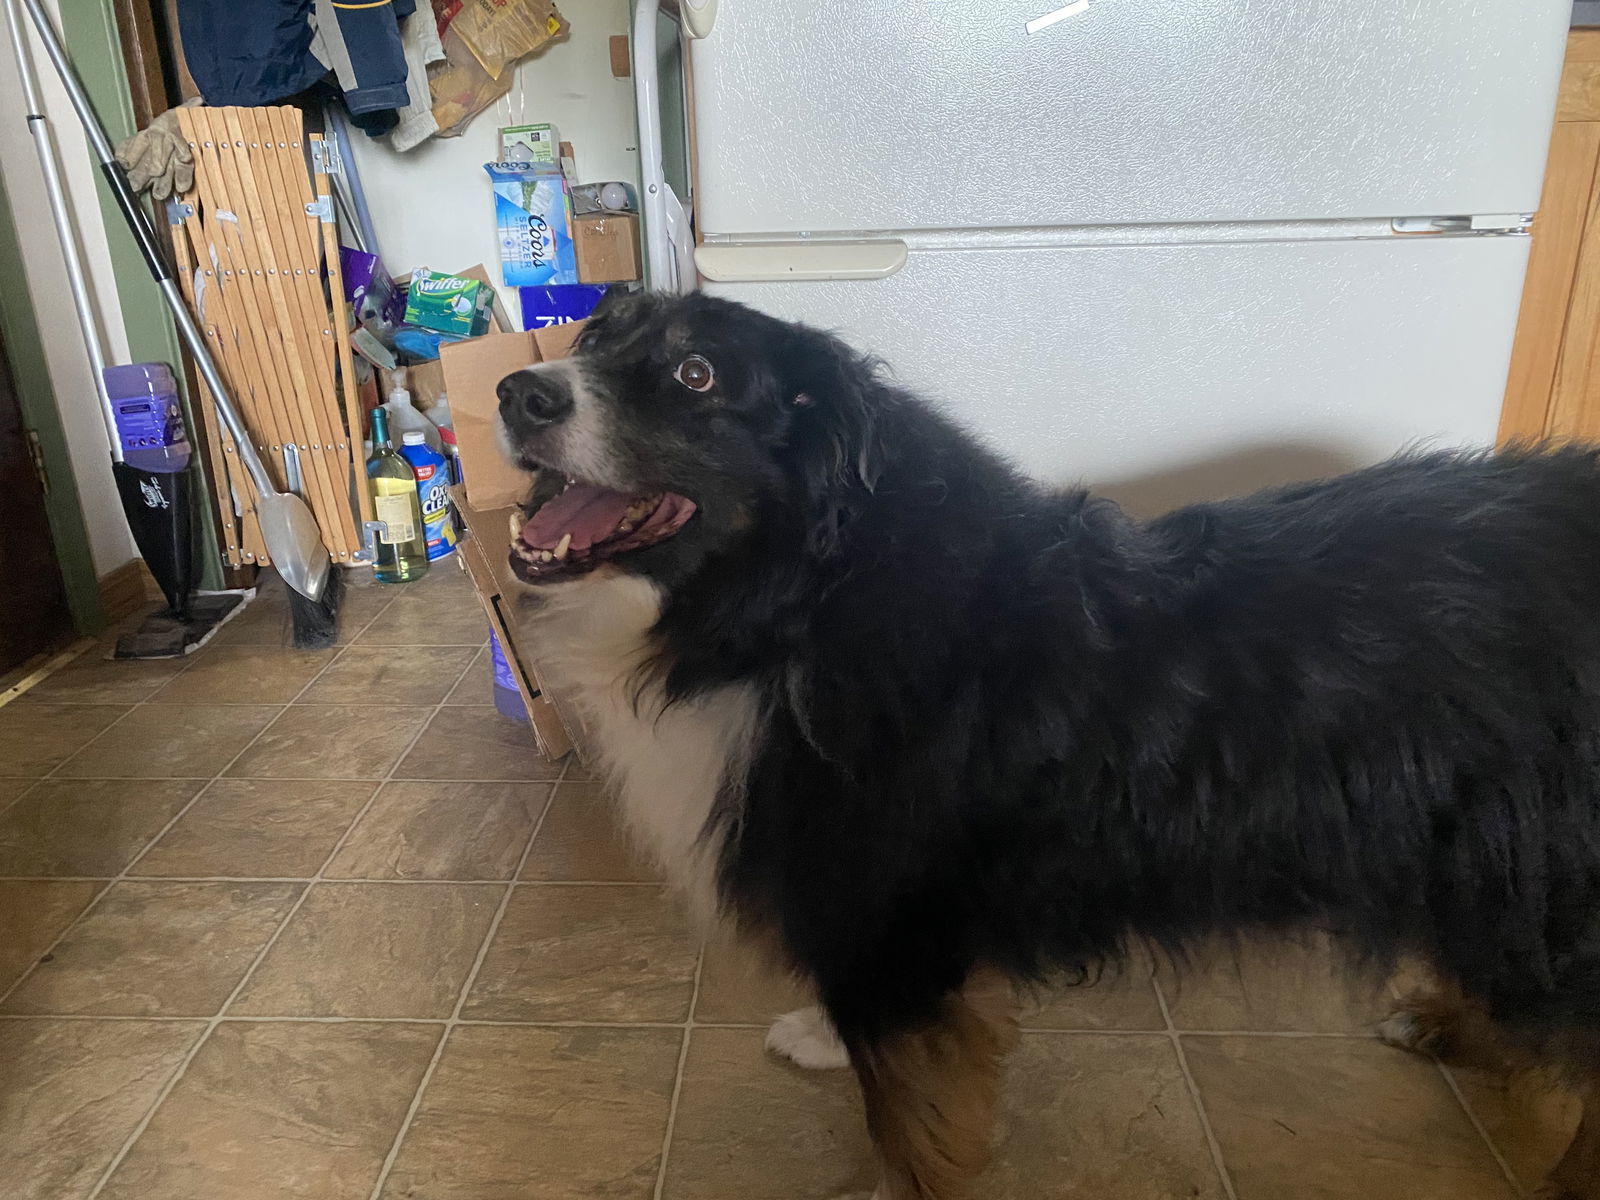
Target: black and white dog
{"points": [[928, 729]]}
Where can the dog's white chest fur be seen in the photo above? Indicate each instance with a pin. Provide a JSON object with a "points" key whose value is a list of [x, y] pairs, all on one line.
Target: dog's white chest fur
{"points": [[666, 768]]}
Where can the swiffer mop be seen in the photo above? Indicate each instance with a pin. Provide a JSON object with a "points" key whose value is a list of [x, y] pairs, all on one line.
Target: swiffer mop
{"points": [[152, 479]]}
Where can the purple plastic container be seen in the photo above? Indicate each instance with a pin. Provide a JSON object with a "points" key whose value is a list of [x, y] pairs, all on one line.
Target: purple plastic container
{"points": [[149, 416], [506, 696]]}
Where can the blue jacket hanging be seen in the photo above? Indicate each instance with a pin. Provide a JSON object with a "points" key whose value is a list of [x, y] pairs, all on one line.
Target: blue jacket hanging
{"points": [[268, 50]]}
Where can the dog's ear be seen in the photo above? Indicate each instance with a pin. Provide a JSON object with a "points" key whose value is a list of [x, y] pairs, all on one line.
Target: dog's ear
{"points": [[831, 391], [612, 298]]}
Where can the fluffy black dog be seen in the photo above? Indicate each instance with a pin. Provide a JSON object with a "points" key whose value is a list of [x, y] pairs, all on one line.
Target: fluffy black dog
{"points": [[928, 728]]}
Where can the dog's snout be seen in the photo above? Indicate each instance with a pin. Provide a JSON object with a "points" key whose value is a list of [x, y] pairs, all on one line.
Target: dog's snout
{"points": [[532, 396]]}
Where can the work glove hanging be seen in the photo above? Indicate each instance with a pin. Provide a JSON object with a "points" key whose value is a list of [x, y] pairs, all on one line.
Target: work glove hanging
{"points": [[157, 158]]}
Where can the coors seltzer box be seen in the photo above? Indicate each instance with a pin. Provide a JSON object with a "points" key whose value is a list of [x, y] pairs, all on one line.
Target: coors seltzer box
{"points": [[533, 224]]}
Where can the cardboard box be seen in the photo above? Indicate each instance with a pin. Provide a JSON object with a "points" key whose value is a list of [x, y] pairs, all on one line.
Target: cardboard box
{"points": [[607, 246], [485, 501], [424, 380], [482, 553]]}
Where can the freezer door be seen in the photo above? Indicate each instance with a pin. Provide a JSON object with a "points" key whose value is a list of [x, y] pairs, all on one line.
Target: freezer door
{"points": [[1174, 373], [827, 115]]}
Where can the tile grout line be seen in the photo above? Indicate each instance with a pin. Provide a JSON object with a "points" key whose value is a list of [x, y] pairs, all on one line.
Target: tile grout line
{"points": [[1218, 1162], [304, 778], [1466, 1107], [1471, 1113], [267, 1019], [1290, 1034], [677, 1079], [213, 1022], [189, 661], [20, 685], [109, 882], [454, 1021], [255, 1019], [383, 879], [122, 875], [17, 799]]}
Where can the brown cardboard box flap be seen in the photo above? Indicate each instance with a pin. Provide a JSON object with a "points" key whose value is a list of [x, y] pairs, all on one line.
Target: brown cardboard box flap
{"points": [[472, 371], [483, 554], [493, 488]]}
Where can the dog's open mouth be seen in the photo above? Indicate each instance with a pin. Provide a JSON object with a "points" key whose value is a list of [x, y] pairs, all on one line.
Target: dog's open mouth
{"points": [[584, 525]]}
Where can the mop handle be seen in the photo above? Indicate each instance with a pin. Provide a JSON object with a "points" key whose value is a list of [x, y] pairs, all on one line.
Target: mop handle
{"points": [[55, 191], [143, 233]]}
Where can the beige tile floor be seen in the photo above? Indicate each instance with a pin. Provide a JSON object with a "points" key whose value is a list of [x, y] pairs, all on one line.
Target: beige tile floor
{"points": [[290, 925]]}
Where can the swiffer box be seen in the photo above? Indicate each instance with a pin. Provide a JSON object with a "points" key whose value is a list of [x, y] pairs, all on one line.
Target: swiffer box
{"points": [[487, 501], [453, 304]]}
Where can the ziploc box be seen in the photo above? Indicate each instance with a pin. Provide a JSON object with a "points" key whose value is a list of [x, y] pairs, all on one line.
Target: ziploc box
{"points": [[545, 306], [450, 304], [533, 216]]}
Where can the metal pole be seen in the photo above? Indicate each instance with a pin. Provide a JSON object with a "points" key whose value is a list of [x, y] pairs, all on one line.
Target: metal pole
{"points": [[44, 144], [139, 225], [659, 273]]}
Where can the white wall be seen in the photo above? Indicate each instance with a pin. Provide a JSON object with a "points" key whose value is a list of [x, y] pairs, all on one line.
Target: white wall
{"points": [[110, 543], [432, 205]]}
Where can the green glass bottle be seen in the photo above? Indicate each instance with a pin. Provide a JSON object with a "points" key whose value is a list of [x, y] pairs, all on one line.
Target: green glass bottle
{"points": [[402, 547]]}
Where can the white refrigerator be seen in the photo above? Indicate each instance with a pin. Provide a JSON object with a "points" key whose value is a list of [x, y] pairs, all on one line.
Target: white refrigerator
{"points": [[1176, 248]]}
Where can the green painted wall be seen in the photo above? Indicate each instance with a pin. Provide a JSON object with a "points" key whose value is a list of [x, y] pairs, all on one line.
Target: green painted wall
{"points": [[37, 398], [89, 30]]}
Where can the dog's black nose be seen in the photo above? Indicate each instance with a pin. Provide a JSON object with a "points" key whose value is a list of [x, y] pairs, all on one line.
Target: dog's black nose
{"points": [[532, 396]]}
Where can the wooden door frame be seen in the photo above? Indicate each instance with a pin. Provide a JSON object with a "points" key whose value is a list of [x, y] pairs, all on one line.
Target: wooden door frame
{"points": [[1556, 356], [37, 398]]}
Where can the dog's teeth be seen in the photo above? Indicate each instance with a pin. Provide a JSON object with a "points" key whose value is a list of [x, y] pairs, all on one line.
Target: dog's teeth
{"points": [[515, 521], [563, 546], [545, 556], [523, 552]]}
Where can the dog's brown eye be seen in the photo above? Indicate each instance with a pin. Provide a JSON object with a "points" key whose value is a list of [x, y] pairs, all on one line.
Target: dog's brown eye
{"points": [[695, 373]]}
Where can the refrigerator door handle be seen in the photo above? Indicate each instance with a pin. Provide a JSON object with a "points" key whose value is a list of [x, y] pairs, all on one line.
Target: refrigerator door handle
{"points": [[796, 261], [697, 16]]}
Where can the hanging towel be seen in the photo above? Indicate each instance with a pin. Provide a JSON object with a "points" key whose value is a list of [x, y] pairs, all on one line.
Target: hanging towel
{"points": [[420, 35]]}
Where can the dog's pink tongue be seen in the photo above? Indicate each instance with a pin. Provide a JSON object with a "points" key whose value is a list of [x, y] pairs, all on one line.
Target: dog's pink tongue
{"points": [[590, 514]]}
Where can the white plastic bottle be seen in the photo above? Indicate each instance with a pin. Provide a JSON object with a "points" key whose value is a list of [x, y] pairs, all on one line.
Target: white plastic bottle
{"points": [[404, 416], [439, 414]]}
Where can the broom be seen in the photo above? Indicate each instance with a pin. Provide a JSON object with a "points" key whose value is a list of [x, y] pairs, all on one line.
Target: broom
{"points": [[288, 527]]}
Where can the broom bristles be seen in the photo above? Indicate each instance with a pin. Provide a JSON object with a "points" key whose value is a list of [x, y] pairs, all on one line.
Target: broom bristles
{"points": [[315, 623]]}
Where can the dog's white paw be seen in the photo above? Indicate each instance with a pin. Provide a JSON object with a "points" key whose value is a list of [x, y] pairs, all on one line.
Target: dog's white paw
{"points": [[806, 1038], [1420, 1031], [1402, 1029]]}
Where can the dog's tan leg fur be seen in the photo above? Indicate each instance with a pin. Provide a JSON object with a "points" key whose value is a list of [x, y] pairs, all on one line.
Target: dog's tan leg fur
{"points": [[1577, 1175], [931, 1093], [1444, 1024], [1447, 1025]]}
